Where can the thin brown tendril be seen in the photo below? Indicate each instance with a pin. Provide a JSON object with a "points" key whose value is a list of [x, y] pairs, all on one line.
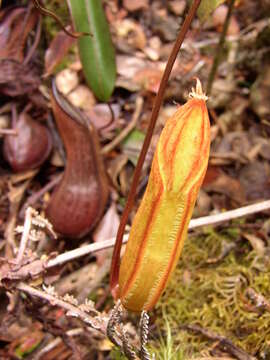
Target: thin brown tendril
{"points": [[47, 12], [111, 119]]}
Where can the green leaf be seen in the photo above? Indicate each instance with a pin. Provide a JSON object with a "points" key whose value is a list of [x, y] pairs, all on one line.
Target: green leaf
{"points": [[132, 145], [206, 7], [97, 51]]}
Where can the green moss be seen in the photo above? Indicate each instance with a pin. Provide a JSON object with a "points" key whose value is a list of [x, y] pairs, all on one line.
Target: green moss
{"points": [[211, 295]]}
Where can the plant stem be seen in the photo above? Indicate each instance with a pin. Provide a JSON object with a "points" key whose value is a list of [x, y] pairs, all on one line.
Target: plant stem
{"points": [[158, 102], [219, 49]]}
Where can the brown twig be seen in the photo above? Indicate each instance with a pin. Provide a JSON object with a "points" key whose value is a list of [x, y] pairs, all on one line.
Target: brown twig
{"points": [[96, 322], [136, 177], [223, 342], [86, 313]]}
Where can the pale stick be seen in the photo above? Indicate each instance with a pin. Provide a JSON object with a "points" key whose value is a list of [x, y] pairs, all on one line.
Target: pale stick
{"points": [[194, 223]]}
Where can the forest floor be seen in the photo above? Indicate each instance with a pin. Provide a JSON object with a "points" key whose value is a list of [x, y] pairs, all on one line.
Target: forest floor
{"points": [[217, 303]]}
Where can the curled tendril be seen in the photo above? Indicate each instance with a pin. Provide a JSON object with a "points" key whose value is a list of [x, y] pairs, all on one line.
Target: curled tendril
{"points": [[47, 12]]}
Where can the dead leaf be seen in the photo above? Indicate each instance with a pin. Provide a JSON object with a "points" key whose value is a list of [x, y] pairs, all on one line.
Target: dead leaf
{"points": [[82, 97], [265, 149], [57, 50], [132, 5], [106, 229], [163, 24], [75, 282], [177, 6], [16, 77], [260, 94], [127, 66], [236, 144], [149, 79], [66, 81], [256, 243], [131, 32], [153, 50], [219, 16], [203, 204], [115, 167], [217, 181], [222, 93], [12, 35], [255, 179]]}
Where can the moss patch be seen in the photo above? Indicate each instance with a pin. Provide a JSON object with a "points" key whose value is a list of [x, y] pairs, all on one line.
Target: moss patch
{"points": [[211, 294]]}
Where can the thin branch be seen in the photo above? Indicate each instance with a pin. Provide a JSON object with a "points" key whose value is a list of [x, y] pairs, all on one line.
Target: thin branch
{"points": [[13, 132], [229, 215], [194, 223], [219, 49], [138, 108], [96, 322], [223, 342], [82, 251]]}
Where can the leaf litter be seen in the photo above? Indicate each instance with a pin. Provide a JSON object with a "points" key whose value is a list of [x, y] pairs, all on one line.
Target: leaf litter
{"points": [[220, 291]]}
